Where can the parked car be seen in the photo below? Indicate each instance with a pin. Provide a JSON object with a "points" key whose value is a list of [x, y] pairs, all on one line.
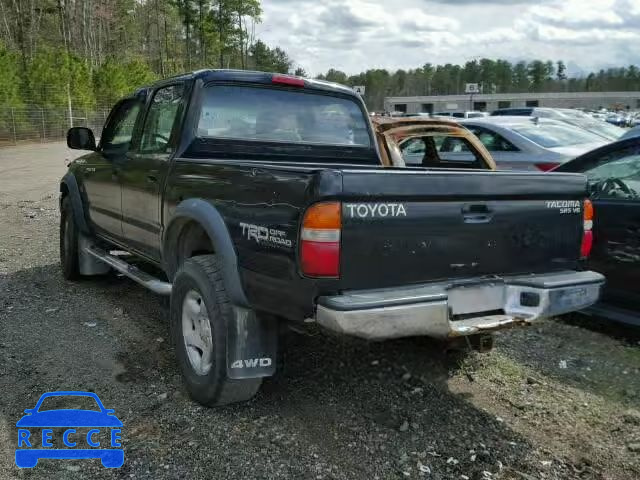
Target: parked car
{"points": [[470, 114], [613, 174], [531, 143], [513, 112], [631, 133], [568, 115], [263, 201], [616, 119], [431, 143]]}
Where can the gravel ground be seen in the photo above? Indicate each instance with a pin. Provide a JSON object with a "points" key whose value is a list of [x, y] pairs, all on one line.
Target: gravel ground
{"points": [[555, 401]]}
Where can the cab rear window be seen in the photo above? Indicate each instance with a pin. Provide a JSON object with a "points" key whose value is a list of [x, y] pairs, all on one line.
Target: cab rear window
{"points": [[278, 115]]}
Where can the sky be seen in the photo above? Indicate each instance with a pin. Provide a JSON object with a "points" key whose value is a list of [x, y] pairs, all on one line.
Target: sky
{"points": [[356, 35]]}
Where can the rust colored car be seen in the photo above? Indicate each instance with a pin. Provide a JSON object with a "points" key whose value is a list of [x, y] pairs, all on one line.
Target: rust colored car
{"points": [[431, 143]]}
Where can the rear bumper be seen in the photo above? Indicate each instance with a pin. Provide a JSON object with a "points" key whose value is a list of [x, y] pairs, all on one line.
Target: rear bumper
{"points": [[453, 309]]}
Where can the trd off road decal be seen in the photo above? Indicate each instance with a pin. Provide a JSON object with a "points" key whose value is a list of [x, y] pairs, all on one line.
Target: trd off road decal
{"points": [[264, 235]]}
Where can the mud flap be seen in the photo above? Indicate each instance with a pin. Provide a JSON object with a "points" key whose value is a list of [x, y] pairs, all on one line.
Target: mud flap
{"points": [[252, 345], [88, 264]]}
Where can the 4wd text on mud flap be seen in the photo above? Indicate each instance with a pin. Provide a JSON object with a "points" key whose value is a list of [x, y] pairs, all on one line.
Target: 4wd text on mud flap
{"points": [[252, 363]]}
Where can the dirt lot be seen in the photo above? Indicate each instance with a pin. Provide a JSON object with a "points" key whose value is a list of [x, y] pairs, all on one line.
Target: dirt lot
{"points": [[556, 401]]}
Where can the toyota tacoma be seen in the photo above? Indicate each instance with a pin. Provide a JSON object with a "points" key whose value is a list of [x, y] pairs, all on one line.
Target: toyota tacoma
{"points": [[256, 200]]}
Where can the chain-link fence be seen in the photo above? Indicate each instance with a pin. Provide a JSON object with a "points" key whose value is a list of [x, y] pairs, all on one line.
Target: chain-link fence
{"points": [[36, 124]]}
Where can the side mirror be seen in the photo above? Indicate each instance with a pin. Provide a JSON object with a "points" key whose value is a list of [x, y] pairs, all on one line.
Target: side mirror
{"points": [[81, 138]]}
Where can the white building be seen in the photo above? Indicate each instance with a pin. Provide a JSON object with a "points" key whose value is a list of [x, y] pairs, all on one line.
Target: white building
{"points": [[490, 102]]}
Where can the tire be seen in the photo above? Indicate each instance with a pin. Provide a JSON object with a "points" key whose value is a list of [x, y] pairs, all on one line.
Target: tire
{"points": [[198, 289], [69, 258]]}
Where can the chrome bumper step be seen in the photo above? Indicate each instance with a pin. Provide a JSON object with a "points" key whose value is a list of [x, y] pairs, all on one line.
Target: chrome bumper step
{"points": [[134, 273]]}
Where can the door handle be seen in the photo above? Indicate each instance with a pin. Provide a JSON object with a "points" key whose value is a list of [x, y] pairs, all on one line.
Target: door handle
{"points": [[477, 213], [152, 179]]}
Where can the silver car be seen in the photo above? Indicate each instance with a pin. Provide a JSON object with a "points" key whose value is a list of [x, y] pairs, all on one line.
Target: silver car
{"points": [[531, 143], [582, 120]]}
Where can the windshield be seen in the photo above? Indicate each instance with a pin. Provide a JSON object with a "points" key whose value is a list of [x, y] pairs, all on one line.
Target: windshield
{"points": [[276, 115], [617, 178], [555, 135]]}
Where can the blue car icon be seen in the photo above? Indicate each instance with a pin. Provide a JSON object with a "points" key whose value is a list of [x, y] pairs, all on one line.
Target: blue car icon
{"points": [[27, 457]]}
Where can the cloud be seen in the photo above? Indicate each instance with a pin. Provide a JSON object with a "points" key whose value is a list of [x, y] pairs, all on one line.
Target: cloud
{"points": [[485, 2], [415, 20], [578, 13], [355, 35]]}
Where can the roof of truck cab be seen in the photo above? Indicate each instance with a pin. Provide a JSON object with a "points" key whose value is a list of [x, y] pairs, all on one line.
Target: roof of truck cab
{"points": [[249, 76]]}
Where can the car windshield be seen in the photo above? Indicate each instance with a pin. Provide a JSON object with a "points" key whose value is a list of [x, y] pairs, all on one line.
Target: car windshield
{"points": [[626, 169], [78, 402], [616, 179], [277, 115], [555, 135]]}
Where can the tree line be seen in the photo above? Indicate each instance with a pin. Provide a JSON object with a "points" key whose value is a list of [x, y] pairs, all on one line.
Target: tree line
{"points": [[494, 76], [83, 53], [91, 52]]}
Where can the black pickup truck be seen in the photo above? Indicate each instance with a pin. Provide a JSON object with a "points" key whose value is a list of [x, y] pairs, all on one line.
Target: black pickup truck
{"points": [[261, 200]]}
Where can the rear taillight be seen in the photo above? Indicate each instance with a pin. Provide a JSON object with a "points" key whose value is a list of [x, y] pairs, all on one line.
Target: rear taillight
{"points": [[546, 166], [320, 240], [587, 235]]}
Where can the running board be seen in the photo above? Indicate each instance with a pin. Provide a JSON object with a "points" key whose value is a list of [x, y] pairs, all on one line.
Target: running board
{"points": [[131, 271]]}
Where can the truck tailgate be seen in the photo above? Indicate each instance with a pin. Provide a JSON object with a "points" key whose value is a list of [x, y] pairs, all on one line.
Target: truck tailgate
{"points": [[415, 226]]}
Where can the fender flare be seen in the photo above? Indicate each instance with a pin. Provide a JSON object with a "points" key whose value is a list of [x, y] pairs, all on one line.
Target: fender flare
{"points": [[69, 180], [208, 217]]}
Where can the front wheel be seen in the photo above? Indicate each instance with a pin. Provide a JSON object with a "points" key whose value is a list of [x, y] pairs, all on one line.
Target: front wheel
{"points": [[69, 256], [200, 312]]}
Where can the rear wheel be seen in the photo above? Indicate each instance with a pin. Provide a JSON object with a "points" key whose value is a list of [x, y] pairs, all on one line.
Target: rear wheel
{"points": [[200, 313], [69, 258]]}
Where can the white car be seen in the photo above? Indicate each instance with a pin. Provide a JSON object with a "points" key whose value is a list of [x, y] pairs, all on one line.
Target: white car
{"points": [[456, 115], [571, 116], [531, 143]]}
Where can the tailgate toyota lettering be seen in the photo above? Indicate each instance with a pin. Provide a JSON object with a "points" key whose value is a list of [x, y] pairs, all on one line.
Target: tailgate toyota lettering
{"points": [[365, 210]]}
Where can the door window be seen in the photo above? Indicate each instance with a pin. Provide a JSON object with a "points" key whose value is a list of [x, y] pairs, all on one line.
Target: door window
{"points": [[616, 176], [436, 152], [117, 133], [162, 120], [493, 141]]}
